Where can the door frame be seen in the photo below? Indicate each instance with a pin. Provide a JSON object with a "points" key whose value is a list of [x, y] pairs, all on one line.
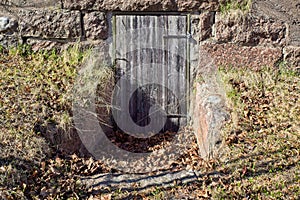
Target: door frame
{"points": [[188, 62]]}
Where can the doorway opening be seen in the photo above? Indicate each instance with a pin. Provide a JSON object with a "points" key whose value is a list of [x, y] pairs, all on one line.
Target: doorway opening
{"points": [[151, 59]]}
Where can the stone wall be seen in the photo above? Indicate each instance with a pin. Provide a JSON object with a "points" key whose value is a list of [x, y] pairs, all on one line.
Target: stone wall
{"points": [[267, 35]]}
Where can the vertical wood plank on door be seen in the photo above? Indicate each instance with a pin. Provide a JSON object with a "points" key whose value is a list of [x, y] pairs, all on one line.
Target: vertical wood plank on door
{"points": [[176, 45], [146, 54]]}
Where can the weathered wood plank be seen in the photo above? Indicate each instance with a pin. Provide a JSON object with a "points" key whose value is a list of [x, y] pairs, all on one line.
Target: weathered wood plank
{"points": [[149, 55]]}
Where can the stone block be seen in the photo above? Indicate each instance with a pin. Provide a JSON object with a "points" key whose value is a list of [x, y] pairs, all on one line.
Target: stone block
{"points": [[294, 33], [208, 108], [116, 5], [210, 115], [9, 40], [95, 25], [50, 24], [291, 54], [281, 11], [242, 56], [32, 3], [61, 45], [194, 6], [8, 25], [206, 25], [250, 31], [37, 44], [286, 11], [140, 5]]}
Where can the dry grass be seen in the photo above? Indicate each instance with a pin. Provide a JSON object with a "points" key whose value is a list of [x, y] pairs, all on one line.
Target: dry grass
{"points": [[35, 89], [261, 158], [261, 143], [262, 155]]}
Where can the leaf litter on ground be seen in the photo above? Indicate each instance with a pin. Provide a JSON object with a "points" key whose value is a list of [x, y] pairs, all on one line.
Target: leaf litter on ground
{"points": [[259, 159]]}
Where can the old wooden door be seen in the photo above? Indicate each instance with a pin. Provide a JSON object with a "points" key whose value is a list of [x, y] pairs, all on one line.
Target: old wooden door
{"points": [[151, 51]]}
